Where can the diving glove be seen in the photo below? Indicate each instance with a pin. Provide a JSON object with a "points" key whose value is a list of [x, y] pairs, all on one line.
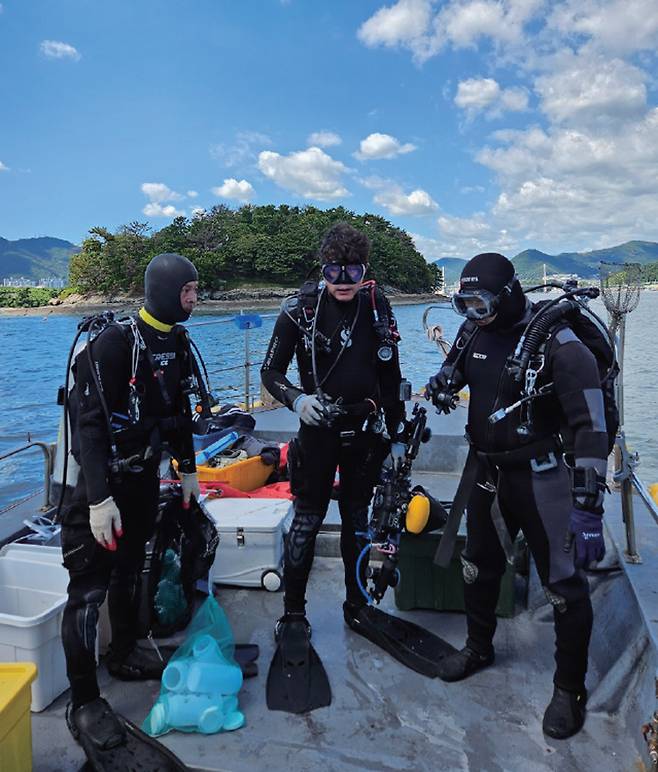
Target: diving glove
{"points": [[105, 522], [398, 454], [309, 408], [190, 487], [441, 391], [586, 529]]}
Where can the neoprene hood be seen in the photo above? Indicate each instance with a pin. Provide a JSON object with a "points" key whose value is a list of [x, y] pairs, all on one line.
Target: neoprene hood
{"points": [[165, 277], [494, 272]]}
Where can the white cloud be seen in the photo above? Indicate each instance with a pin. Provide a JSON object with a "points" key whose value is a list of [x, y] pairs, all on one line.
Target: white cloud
{"points": [[244, 150], [396, 202], [476, 95], [414, 25], [309, 173], [323, 139], [3, 168], [378, 145], [158, 191], [239, 190], [155, 209], [406, 23], [198, 211], [588, 88], [618, 26], [589, 185], [55, 49], [192, 194]]}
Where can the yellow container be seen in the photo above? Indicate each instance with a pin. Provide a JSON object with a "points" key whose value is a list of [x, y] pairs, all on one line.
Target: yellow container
{"points": [[15, 725], [244, 475]]}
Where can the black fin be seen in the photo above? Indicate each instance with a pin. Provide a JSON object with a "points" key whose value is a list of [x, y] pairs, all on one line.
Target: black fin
{"points": [[136, 752], [410, 644], [297, 681]]}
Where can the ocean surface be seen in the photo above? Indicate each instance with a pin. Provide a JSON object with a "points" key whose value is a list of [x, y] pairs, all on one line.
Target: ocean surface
{"points": [[34, 349]]}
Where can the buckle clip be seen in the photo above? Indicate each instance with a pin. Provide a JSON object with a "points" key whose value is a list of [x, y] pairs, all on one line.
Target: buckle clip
{"points": [[543, 463]]}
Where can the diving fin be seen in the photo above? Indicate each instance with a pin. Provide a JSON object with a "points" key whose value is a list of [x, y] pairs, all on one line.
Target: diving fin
{"points": [[410, 644], [111, 742], [297, 681]]}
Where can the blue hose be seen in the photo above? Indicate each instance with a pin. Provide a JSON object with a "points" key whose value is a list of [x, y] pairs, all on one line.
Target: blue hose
{"points": [[364, 592]]}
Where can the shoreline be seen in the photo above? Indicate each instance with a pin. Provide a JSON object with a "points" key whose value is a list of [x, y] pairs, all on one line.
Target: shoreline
{"points": [[205, 307]]}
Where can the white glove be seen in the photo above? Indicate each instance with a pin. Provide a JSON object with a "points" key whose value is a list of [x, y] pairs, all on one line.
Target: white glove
{"points": [[398, 454], [309, 409], [105, 522], [190, 487]]}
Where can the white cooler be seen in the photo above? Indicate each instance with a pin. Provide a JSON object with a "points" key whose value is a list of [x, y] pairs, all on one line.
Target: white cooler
{"points": [[32, 598], [251, 531]]}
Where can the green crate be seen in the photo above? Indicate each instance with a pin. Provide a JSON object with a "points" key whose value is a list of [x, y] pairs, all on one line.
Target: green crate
{"points": [[424, 585]]}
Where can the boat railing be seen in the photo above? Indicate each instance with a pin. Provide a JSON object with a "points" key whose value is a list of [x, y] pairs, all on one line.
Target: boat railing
{"points": [[47, 451]]}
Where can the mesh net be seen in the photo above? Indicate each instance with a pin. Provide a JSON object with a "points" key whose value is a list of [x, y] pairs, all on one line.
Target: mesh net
{"points": [[620, 289]]}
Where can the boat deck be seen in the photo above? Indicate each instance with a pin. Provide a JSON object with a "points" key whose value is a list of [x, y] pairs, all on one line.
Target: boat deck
{"points": [[386, 717]]}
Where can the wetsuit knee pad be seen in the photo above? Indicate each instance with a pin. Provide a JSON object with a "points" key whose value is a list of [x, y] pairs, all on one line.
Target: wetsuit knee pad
{"points": [[568, 592], [301, 536], [480, 570], [85, 618]]}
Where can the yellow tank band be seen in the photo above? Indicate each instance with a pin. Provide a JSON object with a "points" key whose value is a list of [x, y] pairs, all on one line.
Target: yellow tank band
{"points": [[153, 322], [418, 513]]}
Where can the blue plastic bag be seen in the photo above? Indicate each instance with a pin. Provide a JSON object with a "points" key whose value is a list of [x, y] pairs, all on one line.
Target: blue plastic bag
{"points": [[201, 681]]}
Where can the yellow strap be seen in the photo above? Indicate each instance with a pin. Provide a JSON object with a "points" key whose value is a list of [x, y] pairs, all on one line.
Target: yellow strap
{"points": [[153, 322]]}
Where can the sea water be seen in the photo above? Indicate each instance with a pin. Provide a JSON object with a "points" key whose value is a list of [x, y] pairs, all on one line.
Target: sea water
{"points": [[34, 349]]}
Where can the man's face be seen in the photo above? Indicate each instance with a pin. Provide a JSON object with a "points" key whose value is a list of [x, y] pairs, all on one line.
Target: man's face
{"points": [[188, 296], [343, 292]]}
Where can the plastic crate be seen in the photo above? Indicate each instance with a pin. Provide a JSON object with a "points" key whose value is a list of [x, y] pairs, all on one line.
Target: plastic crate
{"points": [[15, 722], [33, 586], [424, 585]]}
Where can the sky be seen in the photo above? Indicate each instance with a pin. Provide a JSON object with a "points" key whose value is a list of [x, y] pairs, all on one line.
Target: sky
{"points": [[475, 125]]}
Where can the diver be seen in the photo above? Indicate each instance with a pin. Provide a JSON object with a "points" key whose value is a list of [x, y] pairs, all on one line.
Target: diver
{"points": [[525, 477], [131, 402], [344, 336]]}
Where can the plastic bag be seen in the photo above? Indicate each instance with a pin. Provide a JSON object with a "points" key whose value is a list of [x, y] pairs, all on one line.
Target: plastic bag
{"points": [[201, 681]]}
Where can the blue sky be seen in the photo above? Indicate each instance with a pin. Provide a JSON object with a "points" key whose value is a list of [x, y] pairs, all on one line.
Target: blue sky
{"points": [[474, 124]]}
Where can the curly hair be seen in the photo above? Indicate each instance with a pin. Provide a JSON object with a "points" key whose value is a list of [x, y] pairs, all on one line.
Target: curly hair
{"points": [[344, 244]]}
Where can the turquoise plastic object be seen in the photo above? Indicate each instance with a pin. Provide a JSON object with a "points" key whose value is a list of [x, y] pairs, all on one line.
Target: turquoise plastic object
{"points": [[201, 681], [169, 601], [212, 450]]}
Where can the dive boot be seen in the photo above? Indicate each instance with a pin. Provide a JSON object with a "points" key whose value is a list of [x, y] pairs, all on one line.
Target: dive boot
{"points": [[112, 743], [463, 664], [297, 681], [565, 714], [138, 665], [409, 643]]}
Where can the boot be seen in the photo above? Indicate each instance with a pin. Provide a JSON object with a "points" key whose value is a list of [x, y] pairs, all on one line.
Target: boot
{"points": [[291, 616], [565, 714], [138, 665], [463, 664], [95, 723]]}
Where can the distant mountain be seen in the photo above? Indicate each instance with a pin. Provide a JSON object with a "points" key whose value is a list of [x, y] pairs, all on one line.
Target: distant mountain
{"points": [[452, 268], [530, 263], [39, 258]]}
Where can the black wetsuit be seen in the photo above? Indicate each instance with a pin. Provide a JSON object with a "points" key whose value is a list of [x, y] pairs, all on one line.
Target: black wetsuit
{"points": [[166, 418], [354, 373], [537, 501]]}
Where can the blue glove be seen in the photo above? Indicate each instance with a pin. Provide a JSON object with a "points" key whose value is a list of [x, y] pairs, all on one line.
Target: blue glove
{"points": [[586, 529]]}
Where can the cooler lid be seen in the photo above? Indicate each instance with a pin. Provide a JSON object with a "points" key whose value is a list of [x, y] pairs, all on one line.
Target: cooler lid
{"points": [[254, 515]]}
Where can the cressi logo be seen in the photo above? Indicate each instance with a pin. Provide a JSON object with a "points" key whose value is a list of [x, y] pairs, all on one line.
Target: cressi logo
{"points": [[477, 355]]}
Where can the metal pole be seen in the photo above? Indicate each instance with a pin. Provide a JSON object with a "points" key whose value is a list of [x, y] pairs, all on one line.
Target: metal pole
{"points": [[624, 463], [47, 466], [247, 365]]}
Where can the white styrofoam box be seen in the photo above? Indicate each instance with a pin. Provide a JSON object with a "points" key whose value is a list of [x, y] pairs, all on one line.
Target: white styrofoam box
{"points": [[33, 585], [251, 533]]}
